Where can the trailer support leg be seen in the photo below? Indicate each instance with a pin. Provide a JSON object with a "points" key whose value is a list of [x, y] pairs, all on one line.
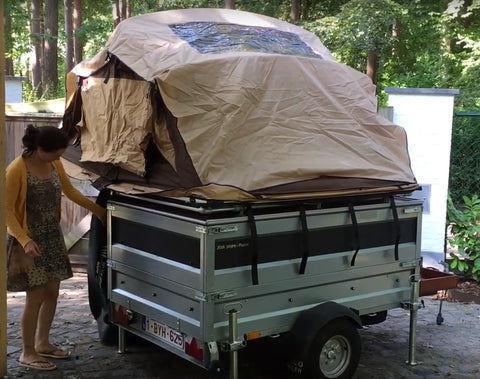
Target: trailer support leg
{"points": [[121, 340], [232, 326], [413, 306]]}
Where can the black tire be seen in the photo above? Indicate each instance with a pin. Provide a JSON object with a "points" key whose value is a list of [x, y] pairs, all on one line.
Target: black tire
{"points": [[335, 351], [97, 277]]}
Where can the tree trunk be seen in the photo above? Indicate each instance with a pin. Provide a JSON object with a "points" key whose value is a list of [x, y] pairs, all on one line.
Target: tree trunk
{"points": [[372, 59], [295, 11], [116, 13], [69, 49], [8, 44], [35, 35], [129, 9], [229, 4], [123, 6], [467, 16], [396, 27], [77, 23], [50, 49]]}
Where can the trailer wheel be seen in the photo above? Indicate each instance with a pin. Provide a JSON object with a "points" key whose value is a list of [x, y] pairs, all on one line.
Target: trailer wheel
{"points": [[335, 351]]}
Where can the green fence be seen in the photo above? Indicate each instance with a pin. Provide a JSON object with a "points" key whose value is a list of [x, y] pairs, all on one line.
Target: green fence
{"points": [[465, 157]]}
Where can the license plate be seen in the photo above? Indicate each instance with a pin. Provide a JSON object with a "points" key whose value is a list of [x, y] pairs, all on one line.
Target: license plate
{"points": [[164, 332]]}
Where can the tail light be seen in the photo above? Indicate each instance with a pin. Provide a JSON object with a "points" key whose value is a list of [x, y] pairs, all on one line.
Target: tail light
{"points": [[194, 348]]}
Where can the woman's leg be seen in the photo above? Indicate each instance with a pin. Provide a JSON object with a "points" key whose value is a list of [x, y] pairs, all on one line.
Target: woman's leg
{"points": [[29, 320], [46, 315]]}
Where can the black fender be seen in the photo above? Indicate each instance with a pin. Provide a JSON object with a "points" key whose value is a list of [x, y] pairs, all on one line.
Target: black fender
{"points": [[97, 241], [311, 321], [97, 276]]}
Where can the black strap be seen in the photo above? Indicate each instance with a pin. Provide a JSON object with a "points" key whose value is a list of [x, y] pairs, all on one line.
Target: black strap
{"points": [[306, 242], [397, 225], [356, 237], [108, 73], [107, 76], [254, 242]]}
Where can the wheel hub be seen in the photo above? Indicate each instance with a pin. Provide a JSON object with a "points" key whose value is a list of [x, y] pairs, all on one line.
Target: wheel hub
{"points": [[335, 356]]}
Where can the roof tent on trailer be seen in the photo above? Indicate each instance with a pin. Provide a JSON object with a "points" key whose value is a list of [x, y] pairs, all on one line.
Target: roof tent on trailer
{"points": [[229, 105]]}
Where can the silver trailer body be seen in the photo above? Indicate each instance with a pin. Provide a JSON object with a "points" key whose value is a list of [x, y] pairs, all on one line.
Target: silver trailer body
{"points": [[197, 279]]}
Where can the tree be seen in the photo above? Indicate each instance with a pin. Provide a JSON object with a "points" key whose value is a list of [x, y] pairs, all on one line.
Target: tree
{"points": [[122, 9], [7, 23], [230, 4], [295, 11], [117, 16], [367, 30], [77, 23], [69, 50], [361, 33], [36, 38], [50, 50]]}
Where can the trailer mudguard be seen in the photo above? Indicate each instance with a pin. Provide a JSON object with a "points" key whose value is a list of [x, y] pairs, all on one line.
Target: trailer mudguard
{"points": [[97, 276], [309, 322]]}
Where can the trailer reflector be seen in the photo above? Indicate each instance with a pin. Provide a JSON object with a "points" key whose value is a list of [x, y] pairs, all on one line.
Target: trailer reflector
{"points": [[193, 349], [253, 335]]}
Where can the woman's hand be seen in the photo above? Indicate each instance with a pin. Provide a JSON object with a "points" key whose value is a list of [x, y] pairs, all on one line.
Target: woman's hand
{"points": [[32, 249]]}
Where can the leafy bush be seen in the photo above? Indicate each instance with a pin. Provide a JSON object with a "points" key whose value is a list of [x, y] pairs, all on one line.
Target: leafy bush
{"points": [[465, 229]]}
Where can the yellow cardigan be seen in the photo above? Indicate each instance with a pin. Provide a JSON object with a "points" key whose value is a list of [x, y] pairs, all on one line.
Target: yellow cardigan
{"points": [[16, 196]]}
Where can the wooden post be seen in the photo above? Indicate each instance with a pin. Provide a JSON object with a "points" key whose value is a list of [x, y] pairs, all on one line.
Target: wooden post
{"points": [[3, 260]]}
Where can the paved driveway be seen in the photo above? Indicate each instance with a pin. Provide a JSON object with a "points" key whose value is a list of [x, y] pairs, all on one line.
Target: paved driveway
{"points": [[450, 350]]}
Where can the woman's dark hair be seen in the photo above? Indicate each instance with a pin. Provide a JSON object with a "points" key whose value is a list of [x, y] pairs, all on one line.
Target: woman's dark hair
{"points": [[48, 138]]}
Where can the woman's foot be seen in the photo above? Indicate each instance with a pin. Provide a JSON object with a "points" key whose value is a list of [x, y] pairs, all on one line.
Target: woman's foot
{"points": [[36, 363]]}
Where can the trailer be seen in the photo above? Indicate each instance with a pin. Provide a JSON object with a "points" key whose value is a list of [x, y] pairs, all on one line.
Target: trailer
{"points": [[201, 279], [252, 189]]}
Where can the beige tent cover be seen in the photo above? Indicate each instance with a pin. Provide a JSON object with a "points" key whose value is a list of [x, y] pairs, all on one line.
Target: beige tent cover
{"points": [[252, 120]]}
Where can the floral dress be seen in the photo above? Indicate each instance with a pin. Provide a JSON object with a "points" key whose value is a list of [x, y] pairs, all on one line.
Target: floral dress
{"points": [[43, 198]]}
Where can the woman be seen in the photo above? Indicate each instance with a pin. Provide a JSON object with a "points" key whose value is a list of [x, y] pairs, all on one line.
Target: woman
{"points": [[34, 184]]}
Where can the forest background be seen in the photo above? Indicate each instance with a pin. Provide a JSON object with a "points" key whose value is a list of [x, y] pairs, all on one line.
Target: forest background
{"points": [[398, 43]]}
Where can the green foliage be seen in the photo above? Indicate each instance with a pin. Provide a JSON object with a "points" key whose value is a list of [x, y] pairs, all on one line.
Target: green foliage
{"points": [[421, 58], [359, 27], [163, 5], [274, 8], [465, 229]]}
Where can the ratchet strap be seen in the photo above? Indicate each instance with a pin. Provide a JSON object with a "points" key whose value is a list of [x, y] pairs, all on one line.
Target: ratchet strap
{"points": [[397, 226], [356, 237], [306, 243], [254, 242]]}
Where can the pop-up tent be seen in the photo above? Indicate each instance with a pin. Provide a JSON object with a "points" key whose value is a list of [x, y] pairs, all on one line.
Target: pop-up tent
{"points": [[225, 104]]}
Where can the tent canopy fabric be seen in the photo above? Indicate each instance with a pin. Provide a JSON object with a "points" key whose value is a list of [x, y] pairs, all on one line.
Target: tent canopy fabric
{"points": [[226, 104]]}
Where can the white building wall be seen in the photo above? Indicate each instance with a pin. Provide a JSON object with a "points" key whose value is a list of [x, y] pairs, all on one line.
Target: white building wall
{"points": [[427, 115], [13, 89]]}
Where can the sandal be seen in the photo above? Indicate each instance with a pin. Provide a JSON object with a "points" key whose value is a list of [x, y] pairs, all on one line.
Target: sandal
{"points": [[39, 365], [55, 353]]}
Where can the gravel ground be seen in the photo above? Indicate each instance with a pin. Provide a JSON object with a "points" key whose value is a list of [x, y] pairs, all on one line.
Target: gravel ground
{"points": [[449, 350]]}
